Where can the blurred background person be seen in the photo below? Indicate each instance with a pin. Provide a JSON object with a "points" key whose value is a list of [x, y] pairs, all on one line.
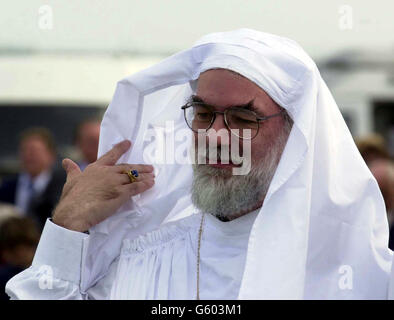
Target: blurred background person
{"points": [[37, 188], [372, 147], [86, 141], [383, 171], [19, 238], [6, 211]]}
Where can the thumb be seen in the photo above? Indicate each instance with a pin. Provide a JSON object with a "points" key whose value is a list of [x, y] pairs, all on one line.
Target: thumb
{"points": [[71, 168]]}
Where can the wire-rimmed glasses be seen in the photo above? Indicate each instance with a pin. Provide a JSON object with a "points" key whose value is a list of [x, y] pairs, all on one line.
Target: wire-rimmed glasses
{"points": [[201, 116]]}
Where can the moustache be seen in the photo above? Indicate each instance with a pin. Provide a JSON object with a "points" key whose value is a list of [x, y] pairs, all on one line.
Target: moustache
{"points": [[220, 154]]}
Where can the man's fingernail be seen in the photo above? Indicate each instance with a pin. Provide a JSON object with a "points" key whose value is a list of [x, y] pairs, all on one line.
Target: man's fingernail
{"points": [[124, 143], [65, 164]]}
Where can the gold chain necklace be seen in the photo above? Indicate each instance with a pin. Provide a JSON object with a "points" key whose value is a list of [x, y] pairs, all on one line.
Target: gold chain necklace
{"points": [[198, 256]]}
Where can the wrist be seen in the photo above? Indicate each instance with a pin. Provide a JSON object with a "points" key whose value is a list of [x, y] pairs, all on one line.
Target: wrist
{"points": [[67, 222]]}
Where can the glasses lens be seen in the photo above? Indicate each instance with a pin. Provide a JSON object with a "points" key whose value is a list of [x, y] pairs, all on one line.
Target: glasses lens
{"points": [[198, 116], [241, 120]]}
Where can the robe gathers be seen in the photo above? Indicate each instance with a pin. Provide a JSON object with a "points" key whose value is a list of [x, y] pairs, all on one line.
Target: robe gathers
{"points": [[161, 264]]}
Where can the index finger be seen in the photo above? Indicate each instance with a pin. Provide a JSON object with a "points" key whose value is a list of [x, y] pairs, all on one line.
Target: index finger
{"points": [[114, 154], [141, 168]]}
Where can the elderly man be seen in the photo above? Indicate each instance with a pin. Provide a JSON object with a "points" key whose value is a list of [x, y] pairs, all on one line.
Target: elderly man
{"points": [[305, 221]]}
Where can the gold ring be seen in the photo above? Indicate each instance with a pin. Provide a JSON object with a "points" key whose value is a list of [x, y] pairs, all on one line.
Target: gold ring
{"points": [[132, 175]]}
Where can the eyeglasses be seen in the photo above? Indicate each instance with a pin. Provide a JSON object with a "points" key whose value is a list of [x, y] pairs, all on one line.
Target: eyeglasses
{"points": [[200, 116]]}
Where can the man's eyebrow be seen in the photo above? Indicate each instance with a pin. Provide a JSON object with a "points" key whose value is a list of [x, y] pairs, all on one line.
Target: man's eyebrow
{"points": [[196, 98], [249, 105]]}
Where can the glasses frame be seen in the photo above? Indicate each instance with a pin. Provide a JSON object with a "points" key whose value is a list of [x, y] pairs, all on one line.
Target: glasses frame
{"points": [[224, 113]]}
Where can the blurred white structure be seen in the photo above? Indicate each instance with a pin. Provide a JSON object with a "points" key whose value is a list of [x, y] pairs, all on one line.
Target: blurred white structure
{"points": [[60, 78], [359, 81], [362, 83]]}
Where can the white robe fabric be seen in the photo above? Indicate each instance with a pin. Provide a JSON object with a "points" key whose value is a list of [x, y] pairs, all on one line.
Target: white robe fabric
{"points": [[161, 264], [322, 232]]}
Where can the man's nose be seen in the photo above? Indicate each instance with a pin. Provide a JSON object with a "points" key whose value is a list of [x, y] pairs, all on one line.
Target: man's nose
{"points": [[218, 128]]}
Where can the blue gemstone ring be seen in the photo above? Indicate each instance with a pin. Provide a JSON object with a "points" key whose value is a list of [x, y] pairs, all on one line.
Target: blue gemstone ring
{"points": [[132, 174]]}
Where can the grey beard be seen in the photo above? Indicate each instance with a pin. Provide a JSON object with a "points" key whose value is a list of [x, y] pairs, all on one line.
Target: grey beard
{"points": [[226, 196]]}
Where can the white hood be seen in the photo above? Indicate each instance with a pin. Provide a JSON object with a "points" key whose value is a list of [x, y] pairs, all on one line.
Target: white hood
{"points": [[322, 231]]}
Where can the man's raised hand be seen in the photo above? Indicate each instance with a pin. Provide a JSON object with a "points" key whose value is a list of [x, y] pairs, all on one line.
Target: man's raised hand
{"points": [[91, 196]]}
